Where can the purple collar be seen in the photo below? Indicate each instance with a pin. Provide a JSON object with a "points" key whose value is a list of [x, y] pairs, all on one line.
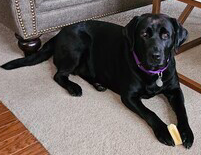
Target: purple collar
{"points": [[148, 71]]}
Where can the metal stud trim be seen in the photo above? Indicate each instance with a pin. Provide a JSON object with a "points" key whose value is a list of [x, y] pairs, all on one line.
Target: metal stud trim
{"points": [[21, 21], [32, 6], [19, 16]]}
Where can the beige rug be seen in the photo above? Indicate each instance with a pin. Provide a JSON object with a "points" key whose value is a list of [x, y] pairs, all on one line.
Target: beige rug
{"points": [[96, 123]]}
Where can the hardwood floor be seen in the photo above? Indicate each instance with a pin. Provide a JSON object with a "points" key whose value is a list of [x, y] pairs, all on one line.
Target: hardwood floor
{"points": [[15, 139]]}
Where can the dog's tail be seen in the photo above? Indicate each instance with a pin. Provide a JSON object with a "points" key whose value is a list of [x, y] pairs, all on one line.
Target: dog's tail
{"points": [[42, 55]]}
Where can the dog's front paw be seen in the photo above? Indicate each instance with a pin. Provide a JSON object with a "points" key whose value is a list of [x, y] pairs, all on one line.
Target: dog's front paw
{"points": [[163, 135], [186, 135]]}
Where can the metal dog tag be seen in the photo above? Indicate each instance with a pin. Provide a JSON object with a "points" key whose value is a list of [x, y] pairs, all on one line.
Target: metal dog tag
{"points": [[159, 81]]}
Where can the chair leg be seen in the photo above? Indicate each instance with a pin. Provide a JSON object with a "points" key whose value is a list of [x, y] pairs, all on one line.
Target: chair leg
{"points": [[156, 6], [184, 15], [28, 46], [190, 83], [189, 45]]}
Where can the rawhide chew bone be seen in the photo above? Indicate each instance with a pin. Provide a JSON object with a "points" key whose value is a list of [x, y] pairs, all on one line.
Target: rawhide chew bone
{"points": [[175, 134]]}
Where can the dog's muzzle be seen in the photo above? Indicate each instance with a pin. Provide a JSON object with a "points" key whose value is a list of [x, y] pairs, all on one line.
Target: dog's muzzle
{"points": [[149, 71]]}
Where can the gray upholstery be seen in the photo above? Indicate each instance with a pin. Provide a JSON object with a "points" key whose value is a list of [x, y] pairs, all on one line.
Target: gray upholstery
{"points": [[31, 18]]}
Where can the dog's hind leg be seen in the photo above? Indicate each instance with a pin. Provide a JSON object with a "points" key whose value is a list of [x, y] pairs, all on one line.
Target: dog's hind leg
{"points": [[89, 75], [96, 85], [66, 64], [62, 79]]}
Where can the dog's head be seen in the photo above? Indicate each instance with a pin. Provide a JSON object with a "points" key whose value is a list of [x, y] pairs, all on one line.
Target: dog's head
{"points": [[154, 38]]}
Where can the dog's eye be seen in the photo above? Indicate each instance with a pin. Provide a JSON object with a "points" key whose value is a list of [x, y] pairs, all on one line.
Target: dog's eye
{"points": [[165, 35], [145, 35]]}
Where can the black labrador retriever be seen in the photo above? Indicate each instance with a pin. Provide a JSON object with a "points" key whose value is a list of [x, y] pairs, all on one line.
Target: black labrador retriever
{"points": [[135, 61]]}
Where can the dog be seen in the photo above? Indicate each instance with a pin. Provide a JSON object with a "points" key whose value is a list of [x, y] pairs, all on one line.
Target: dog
{"points": [[135, 61]]}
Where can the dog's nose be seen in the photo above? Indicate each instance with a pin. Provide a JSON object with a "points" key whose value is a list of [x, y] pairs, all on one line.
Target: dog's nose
{"points": [[156, 56]]}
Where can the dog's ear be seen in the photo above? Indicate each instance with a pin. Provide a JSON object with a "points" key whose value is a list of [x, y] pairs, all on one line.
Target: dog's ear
{"points": [[181, 34], [129, 31]]}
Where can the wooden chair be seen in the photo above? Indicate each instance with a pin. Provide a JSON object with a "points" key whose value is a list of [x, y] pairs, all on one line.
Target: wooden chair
{"points": [[182, 18]]}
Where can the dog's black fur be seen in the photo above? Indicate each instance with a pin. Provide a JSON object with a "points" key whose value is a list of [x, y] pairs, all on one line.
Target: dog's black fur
{"points": [[101, 53]]}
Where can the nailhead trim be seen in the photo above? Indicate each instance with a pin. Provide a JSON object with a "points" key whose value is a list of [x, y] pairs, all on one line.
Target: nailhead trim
{"points": [[32, 5], [19, 16], [21, 22]]}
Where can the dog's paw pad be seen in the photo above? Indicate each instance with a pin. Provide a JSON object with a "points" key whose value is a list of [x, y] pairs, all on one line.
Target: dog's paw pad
{"points": [[99, 87]]}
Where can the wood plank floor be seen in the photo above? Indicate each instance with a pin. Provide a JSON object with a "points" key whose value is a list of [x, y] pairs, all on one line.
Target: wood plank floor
{"points": [[15, 139]]}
